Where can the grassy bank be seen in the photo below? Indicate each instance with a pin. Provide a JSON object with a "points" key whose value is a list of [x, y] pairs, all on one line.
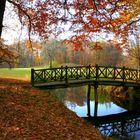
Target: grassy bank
{"points": [[16, 73]]}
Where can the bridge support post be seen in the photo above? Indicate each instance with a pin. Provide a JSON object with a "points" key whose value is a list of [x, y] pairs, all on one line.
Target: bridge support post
{"points": [[95, 100], [88, 100]]}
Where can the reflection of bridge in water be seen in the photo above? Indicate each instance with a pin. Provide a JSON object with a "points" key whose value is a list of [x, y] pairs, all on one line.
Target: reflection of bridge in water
{"points": [[118, 124]]}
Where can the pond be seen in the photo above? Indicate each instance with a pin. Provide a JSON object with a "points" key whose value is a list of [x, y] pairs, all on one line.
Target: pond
{"points": [[111, 118]]}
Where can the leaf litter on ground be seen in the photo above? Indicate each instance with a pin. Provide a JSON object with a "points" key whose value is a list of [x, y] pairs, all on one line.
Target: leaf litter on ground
{"points": [[27, 113]]}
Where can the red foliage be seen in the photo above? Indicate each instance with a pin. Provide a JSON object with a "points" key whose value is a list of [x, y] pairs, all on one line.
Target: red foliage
{"points": [[85, 17]]}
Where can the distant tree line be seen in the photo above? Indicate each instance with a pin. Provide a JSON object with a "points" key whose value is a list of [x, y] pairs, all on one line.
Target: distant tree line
{"points": [[55, 53]]}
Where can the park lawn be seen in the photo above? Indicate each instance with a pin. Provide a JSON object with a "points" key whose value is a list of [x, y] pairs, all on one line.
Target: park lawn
{"points": [[16, 73]]}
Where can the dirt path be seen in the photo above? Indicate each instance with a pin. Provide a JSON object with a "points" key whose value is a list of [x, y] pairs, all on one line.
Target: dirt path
{"points": [[27, 113]]}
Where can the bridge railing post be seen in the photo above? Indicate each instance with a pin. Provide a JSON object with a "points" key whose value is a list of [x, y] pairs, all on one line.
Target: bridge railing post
{"points": [[44, 75], [61, 77], [138, 74], [77, 75], [66, 74], [89, 68], [114, 73], [123, 70], [97, 72], [32, 77]]}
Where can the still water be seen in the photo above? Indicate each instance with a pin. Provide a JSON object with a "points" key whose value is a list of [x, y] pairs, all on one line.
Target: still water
{"points": [[113, 119]]}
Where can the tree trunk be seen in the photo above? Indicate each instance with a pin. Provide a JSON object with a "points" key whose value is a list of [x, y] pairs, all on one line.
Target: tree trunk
{"points": [[2, 9], [51, 63]]}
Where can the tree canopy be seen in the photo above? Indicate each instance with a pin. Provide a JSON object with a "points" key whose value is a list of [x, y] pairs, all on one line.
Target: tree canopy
{"points": [[84, 17]]}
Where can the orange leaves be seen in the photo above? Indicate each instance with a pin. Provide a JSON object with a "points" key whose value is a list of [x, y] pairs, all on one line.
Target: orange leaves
{"points": [[92, 25], [85, 17], [124, 17], [37, 115], [97, 46], [37, 45], [6, 55], [92, 20], [91, 3], [77, 41], [29, 44], [31, 13]]}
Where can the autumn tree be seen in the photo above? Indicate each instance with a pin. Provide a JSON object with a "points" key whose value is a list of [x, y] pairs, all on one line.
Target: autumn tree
{"points": [[7, 56], [133, 52], [85, 17], [52, 51], [26, 56], [111, 53]]}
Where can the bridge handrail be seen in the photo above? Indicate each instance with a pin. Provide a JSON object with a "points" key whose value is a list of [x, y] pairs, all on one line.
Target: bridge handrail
{"points": [[63, 67], [84, 72], [81, 66]]}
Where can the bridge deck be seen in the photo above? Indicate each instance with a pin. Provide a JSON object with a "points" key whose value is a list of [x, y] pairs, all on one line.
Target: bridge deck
{"points": [[71, 83]]}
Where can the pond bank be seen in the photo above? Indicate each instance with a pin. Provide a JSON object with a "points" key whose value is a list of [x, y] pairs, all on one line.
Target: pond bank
{"points": [[27, 113], [123, 93]]}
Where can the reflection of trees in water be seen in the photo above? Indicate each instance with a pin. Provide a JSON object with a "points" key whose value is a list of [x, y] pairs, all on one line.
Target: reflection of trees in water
{"points": [[103, 97], [108, 105], [118, 96], [129, 105], [59, 94], [76, 96]]}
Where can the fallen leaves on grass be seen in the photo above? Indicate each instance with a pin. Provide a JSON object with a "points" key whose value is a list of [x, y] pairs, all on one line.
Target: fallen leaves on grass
{"points": [[27, 113]]}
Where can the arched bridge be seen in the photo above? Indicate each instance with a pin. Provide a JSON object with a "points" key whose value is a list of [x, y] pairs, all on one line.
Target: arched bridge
{"points": [[80, 75]]}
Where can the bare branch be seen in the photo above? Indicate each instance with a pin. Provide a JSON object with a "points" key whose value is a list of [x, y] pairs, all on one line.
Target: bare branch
{"points": [[26, 14], [134, 21]]}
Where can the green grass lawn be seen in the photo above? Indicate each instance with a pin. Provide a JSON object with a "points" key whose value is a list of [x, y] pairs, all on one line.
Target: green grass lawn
{"points": [[16, 73]]}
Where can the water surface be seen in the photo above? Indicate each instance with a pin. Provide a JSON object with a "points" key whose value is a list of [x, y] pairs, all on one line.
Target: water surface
{"points": [[75, 99]]}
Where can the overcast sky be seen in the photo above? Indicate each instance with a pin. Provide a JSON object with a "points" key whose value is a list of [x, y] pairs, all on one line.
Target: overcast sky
{"points": [[12, 27]]}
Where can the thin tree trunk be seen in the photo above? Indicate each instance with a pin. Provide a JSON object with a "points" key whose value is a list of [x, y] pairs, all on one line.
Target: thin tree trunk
{"points": [[51, 63], [2, 9]]}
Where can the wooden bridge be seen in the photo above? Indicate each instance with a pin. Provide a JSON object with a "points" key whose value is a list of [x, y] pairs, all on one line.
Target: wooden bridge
{"points": [[80, 75]]}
